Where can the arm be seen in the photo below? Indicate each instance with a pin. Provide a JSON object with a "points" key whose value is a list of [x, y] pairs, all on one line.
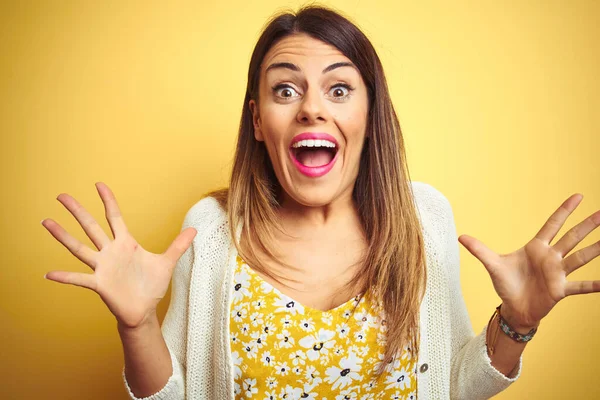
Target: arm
{"points": [[507, 351], [148, 364], [532, 279], [155, 358]]}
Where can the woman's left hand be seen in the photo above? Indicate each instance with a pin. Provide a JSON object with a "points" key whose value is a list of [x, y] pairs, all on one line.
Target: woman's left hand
{"points": [[531, 280]]}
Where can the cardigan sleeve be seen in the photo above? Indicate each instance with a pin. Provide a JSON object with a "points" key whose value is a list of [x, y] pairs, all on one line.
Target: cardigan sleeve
{"points": [[472, 376], [174, 327]]}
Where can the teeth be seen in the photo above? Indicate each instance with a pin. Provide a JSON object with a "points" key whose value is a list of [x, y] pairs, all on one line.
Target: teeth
{"points": [[314, 143]]}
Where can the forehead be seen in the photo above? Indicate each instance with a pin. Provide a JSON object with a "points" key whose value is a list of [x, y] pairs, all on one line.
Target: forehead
{"points": [[304, 51]]}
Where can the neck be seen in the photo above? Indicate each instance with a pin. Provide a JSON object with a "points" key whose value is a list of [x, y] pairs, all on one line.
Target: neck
{"points": [[338, 217]]}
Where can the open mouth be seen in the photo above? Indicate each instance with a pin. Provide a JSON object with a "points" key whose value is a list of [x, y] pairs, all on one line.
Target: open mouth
{"points": [[314, 153], [314, 157]]}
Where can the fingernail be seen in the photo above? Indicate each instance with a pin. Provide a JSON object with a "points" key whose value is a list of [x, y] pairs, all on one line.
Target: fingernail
{"points": [[42, 221], [45, 276]]}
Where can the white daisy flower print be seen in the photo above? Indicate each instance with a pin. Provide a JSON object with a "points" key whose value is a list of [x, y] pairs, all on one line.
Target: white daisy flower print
{"points": [[237, 362], [234, 337], [342, 330], [282, 368], [364, 351], [272, 382], [360, 337], [307, 392], [348, 394], [245, 329], [377, 364], [258, 339], [307, 325], [250, 349], [268, 328], [395, 363], [239, 313], [346, 372], [304, 354], [298, 357], [256, 318], [289, 392], [266, 287], [338, 350], [405, 355], [285, 340], [312, 375], [355, 349], [398, 379], [250, 387], [391, 365], [287, 321], [318, 343], [267, 359], [367, 387], [240, 289], [258, 304], [327, 318], [366, 320], [271, 396], [287, 304]]}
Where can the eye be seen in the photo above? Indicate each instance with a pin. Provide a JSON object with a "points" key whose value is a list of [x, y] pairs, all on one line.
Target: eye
{"points": [[285, 91], [340, 91]]}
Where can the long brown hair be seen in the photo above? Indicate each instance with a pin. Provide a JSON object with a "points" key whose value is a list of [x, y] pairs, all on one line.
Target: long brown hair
{"points": [[394, 263]]}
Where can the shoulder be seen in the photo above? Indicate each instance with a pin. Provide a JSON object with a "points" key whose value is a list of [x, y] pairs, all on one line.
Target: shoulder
{"points": [[430, 200], [435, 212], [204, 214]]}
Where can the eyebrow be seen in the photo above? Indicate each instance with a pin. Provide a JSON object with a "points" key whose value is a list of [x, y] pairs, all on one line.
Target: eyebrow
{"points": [[295, 68]]}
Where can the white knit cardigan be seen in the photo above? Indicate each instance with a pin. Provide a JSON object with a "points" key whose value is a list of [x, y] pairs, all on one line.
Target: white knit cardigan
{"points": [[453, 362]]}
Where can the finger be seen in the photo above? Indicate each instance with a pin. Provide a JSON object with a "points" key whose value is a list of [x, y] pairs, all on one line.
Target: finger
{"points": [[481, 251], [558, 218], [113, 212], [576, 234], [180, 244], [581, 257], [87, 281], [92, 229], [78, 249], [581, 287]]}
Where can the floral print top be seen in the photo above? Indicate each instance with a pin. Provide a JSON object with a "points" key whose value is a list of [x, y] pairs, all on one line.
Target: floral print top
{"points": [[283, 350]]}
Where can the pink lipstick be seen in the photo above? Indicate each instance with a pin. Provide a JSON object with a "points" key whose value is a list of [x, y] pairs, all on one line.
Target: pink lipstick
{"points": [[308, 143]]}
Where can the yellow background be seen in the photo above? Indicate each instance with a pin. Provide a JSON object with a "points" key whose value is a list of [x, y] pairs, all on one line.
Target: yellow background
{"points": [[498, 101]]}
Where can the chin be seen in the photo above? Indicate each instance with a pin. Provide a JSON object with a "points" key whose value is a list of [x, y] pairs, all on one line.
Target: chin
{"points": [[313, 196]]}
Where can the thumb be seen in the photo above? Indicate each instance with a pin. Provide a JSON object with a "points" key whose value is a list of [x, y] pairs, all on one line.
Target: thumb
{"points": [[487, 257], [180, 244]]}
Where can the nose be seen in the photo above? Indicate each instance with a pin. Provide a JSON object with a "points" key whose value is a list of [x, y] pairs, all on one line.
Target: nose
{"points": [[312, 110]]}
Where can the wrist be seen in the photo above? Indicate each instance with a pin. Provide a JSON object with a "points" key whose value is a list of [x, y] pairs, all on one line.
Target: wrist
{"points": [[151, 322], [519, 325]]}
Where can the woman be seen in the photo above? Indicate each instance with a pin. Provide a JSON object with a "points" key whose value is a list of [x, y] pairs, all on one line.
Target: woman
{"points": [[322, 271]]}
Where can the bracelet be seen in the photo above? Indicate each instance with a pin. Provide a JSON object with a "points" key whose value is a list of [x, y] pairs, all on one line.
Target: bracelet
{"points": [[502, 324], [510, 332]]}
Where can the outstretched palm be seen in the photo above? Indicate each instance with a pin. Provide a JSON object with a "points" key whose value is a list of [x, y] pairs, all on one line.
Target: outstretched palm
{"points": [[130, 280], [533, 279]]}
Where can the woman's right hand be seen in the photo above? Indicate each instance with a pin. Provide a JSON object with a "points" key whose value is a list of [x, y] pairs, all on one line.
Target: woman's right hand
{"points": [[130, 280]]}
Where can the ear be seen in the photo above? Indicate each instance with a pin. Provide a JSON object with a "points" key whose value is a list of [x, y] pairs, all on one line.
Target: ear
{"points": [[256, 121]]}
